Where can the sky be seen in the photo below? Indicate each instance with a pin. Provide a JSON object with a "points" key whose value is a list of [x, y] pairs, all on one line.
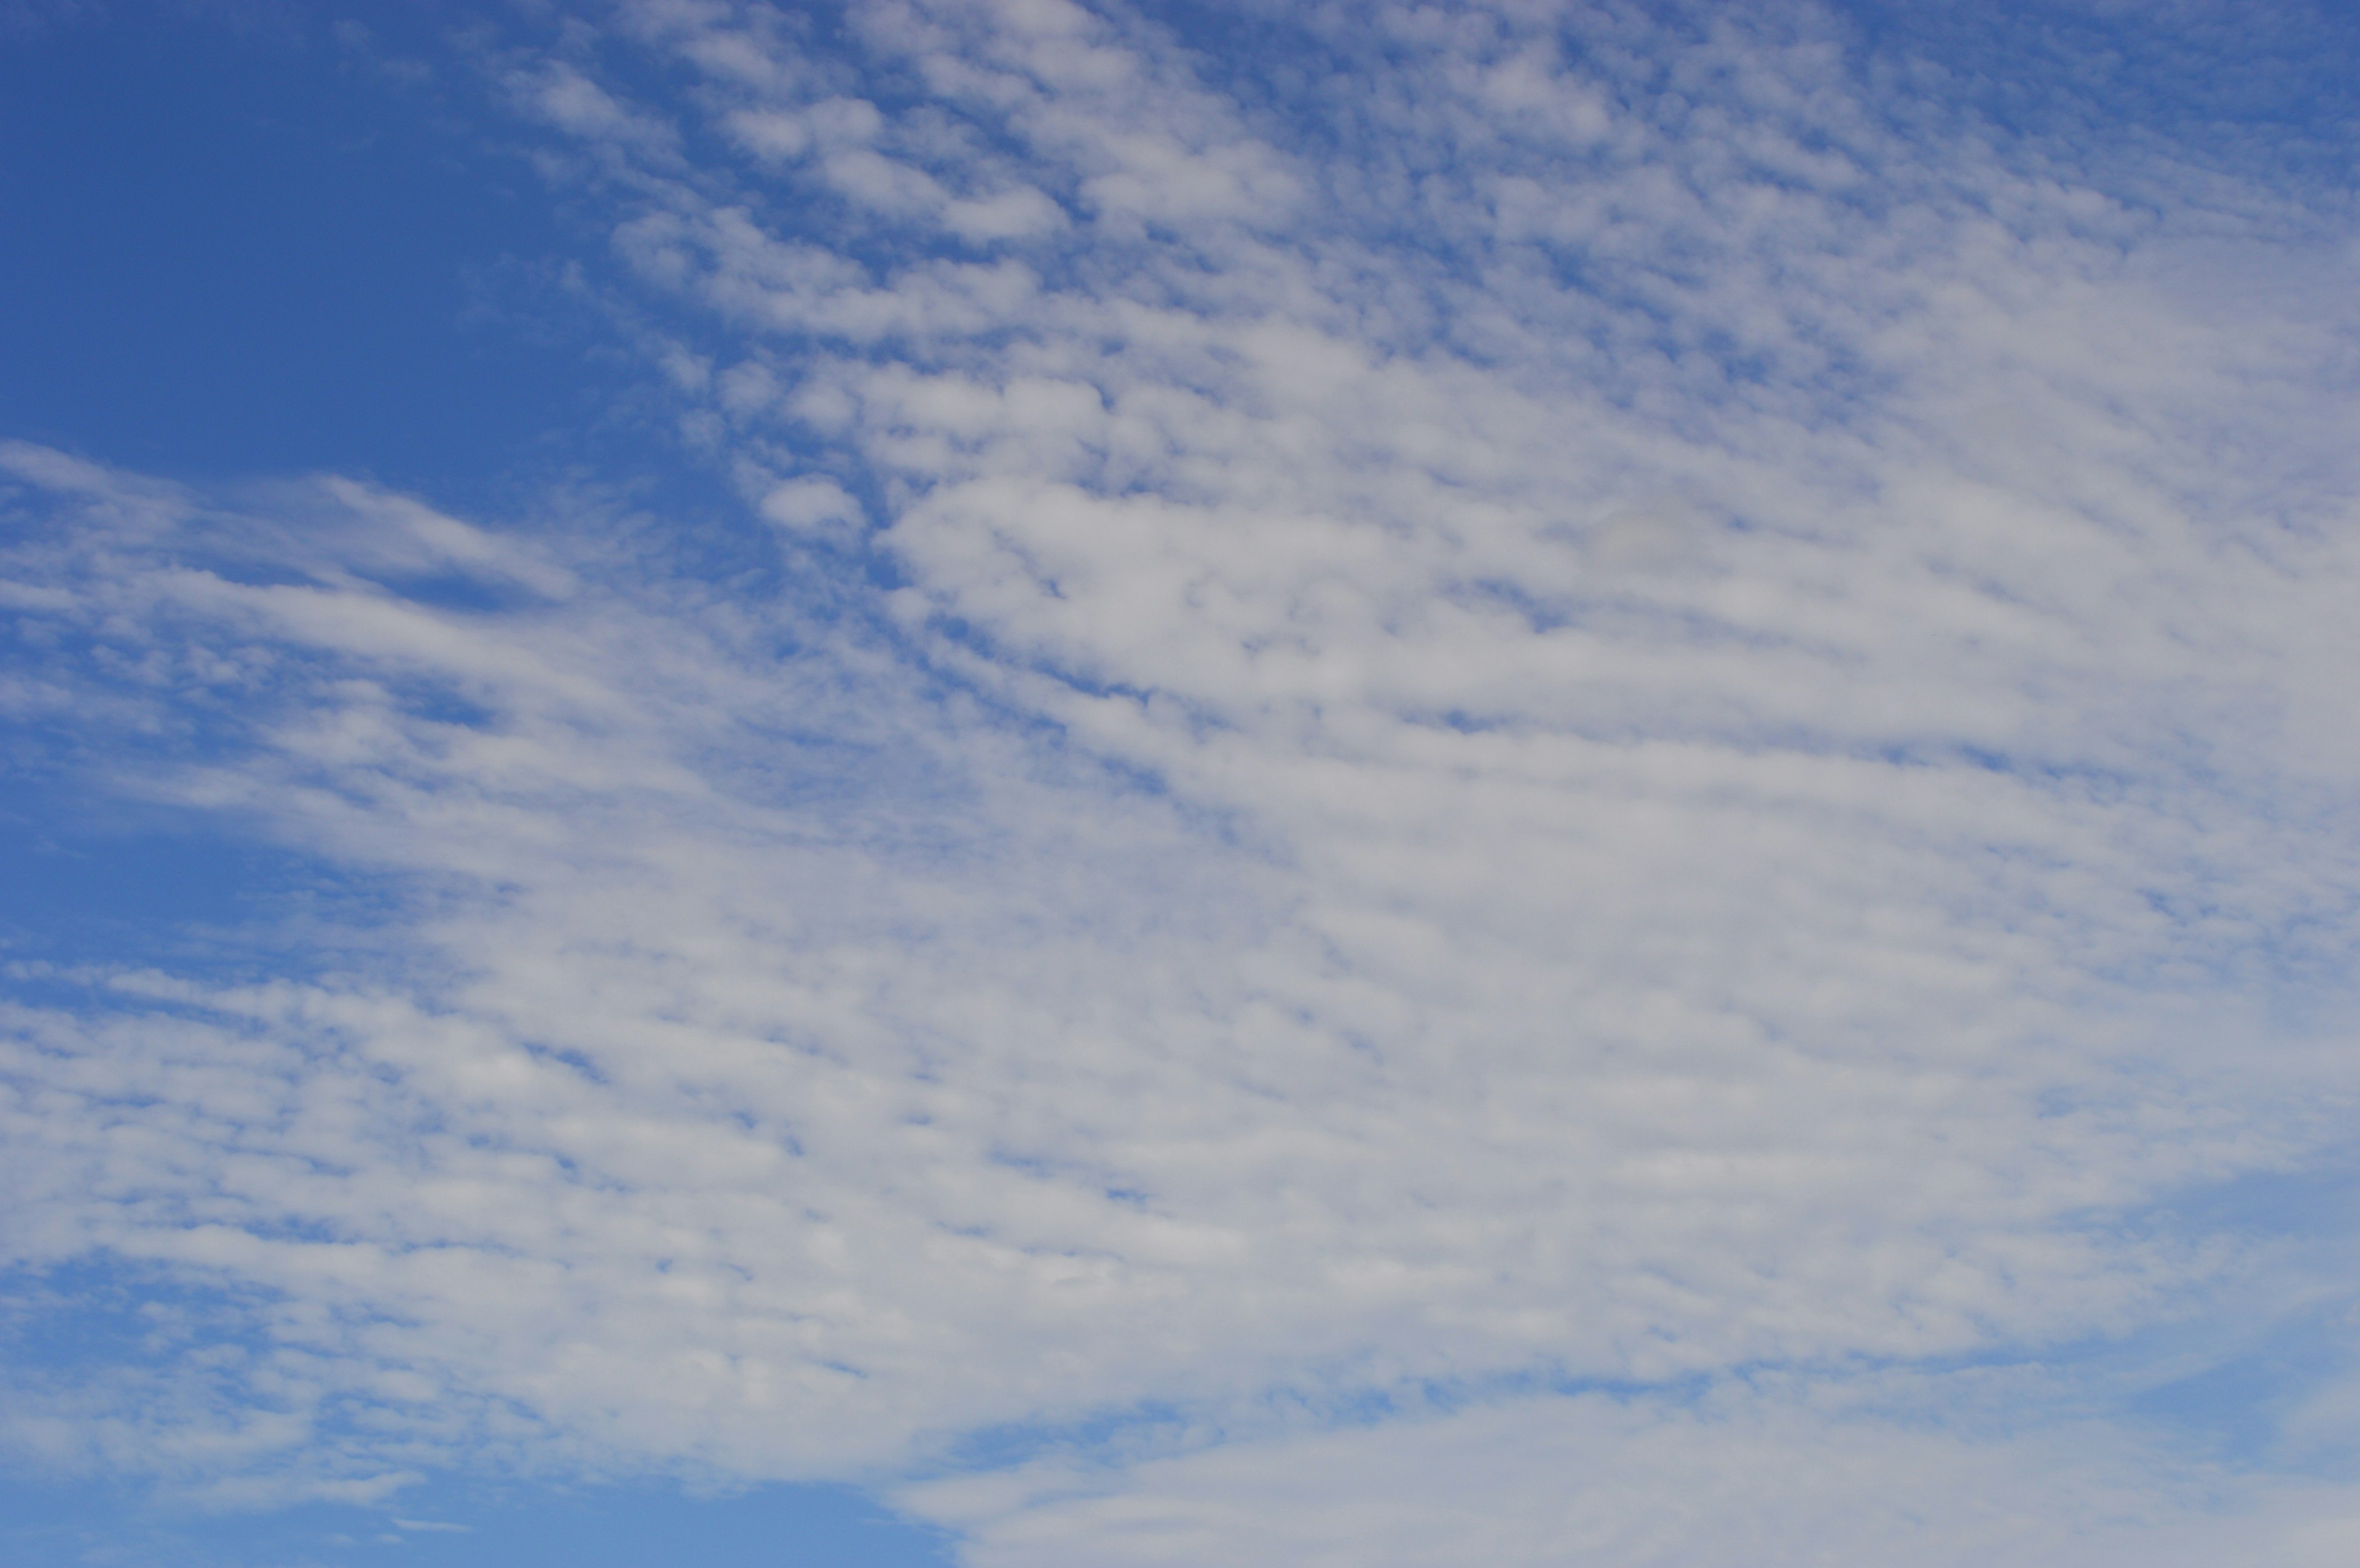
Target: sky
{"points": [[1019, 785]]}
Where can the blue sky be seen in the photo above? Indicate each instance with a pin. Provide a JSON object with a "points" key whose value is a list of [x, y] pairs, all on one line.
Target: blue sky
{"points": [[1029, 785]]}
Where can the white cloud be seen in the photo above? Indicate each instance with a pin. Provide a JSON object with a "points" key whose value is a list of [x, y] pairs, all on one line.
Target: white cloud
{"points": [[768, 132], [1752, 1476], [812, 504], [1591, 714]]}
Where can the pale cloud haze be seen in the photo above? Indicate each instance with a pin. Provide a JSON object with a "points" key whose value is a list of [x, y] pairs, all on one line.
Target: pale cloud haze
{"points": [[1524, 785]]}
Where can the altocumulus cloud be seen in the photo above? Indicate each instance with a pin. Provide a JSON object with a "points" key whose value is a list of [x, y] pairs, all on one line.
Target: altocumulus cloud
{"points": [[1526, 785]]}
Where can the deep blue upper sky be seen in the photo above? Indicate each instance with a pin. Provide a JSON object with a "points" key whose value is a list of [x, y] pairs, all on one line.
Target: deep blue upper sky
{"points": [[235, 249]]}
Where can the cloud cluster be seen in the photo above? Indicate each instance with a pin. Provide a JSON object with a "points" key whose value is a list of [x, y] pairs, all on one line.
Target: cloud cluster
{"points": [[1536, 737], [1771, 1475]]}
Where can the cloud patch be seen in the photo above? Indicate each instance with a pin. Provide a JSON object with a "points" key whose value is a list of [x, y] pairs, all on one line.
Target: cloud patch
{"points": [[1553, 793]]}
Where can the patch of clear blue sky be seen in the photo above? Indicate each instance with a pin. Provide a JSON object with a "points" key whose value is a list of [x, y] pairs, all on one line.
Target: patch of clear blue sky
{"points": [[55, 1524], [232, 248]]}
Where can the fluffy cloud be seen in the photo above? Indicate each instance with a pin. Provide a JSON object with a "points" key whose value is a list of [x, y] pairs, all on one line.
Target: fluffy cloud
{"points": [[1572, 704]]}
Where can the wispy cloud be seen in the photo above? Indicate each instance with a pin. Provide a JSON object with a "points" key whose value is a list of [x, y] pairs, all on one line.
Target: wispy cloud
{"points": [[1514, 779]]}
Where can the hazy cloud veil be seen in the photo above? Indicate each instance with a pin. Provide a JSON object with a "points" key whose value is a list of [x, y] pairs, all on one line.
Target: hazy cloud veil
{"points": [[1513, 785]]}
